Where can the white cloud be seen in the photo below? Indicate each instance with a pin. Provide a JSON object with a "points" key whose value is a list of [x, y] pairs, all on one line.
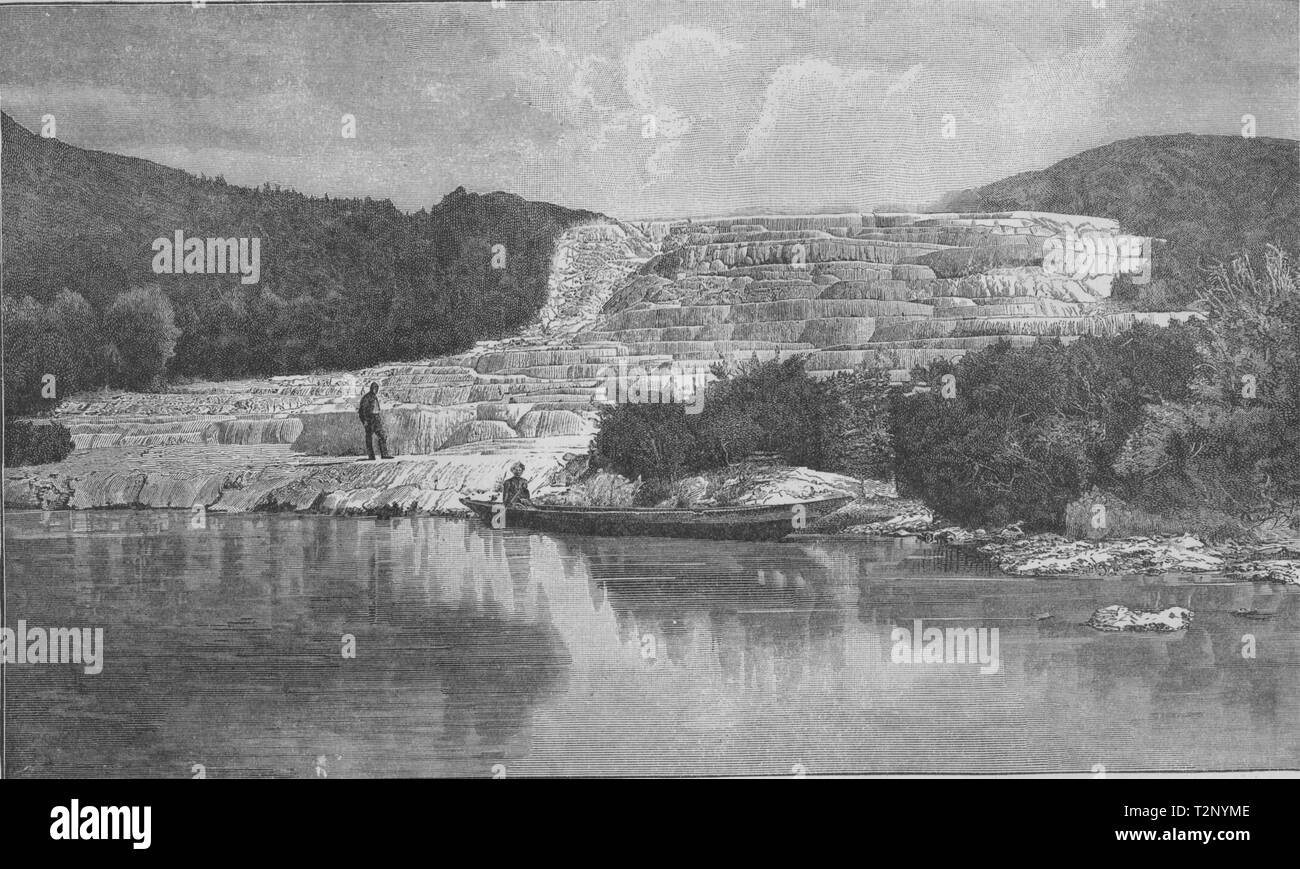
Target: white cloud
{"points": [[671, 75]]}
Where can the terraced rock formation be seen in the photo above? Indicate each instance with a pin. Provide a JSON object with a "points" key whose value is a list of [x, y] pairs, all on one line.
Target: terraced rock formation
{"points": [[896, 290]]}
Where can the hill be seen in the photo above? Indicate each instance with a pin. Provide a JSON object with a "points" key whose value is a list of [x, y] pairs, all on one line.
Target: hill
{"points": [[343, 282], [1208, 196]]}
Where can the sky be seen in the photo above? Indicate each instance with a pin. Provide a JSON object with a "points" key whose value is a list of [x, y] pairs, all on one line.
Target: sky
{"points": [[648, 108]]}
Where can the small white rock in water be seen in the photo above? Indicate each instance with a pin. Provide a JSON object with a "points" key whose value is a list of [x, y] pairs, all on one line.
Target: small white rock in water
{"points": [[1050, 554], [1277, 570], [1121, 618], [903, 525]]}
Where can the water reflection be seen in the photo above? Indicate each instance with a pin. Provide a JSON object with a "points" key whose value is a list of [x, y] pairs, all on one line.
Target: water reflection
{"points": [[572, 655], [225, 647]]}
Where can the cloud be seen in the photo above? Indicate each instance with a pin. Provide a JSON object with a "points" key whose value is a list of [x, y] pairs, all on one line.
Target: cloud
{"points": [[670, 58], [825, 128], [673, 76], [574, 90]]}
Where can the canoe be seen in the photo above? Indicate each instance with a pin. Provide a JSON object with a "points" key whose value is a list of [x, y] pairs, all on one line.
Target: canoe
{"points": [[764, 522]]}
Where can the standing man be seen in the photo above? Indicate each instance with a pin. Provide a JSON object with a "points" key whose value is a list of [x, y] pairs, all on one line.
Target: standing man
{"points": [[374, 422]]}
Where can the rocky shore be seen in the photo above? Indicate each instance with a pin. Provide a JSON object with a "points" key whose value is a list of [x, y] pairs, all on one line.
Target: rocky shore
{"points": [[270, 477]]}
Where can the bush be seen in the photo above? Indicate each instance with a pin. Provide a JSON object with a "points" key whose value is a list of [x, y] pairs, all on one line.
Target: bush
{"points": [[141, 333], [768, 407], [1196, 455], [1236, 446], [643, 441], [60, 339], [856, 437], [24, 356], [1030, 428], [981, 468], [28, 443]]}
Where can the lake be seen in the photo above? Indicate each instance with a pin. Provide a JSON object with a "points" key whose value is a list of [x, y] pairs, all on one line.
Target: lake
{"points": [[284, 645]]}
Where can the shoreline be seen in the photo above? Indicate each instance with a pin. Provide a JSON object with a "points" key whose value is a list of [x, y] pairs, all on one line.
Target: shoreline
{"points": [[269, 479]]}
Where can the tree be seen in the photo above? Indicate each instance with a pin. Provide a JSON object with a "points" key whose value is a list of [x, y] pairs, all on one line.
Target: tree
{"points": [[28, 443], [140, 328], [74, 329], [24, 356], [856, 437]]}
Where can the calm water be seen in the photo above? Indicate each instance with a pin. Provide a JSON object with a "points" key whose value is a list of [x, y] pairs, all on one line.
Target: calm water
{"points": [[540, 655]]}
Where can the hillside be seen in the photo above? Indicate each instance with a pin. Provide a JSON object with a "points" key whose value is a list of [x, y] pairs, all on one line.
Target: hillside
{"points": [[1208, 196], [344, 283]]}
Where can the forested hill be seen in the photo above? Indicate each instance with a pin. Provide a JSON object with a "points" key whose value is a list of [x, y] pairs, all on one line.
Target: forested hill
{"points": [[344, 282], [1209, 196]]}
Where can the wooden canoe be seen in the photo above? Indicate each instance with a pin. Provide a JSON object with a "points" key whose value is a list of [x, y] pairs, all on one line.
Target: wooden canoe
{"points": [[764, 522]]}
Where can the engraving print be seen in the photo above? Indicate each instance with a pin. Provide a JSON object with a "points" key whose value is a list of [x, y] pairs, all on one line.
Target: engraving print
{"points": [[786, 388]]}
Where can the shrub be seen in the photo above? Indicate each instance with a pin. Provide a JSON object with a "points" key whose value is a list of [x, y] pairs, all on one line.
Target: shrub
{"points": [[982, 468], [1030, 428], [856, 436], [28, 443], [141, 330], [1236, 446], [25, 358], [1200, 455], [770, 407], [650, 441], [60, 339]]}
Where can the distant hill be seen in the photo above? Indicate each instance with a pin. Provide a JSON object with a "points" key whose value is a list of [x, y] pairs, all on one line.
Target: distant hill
{"points": [[1209, 196], [344, 282]]}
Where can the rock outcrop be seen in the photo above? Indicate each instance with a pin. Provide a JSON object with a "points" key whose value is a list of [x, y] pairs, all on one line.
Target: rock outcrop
{"points": [[1051, 555], [1121, 618]]}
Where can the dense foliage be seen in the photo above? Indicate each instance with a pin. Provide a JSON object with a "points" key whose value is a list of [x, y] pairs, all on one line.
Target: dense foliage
{"points": [[1193, 421], [757, 410], [28, 443], [770, 407], [1234, 445], [1027, 430], [55, 350], [343, 284], [855, 430]]}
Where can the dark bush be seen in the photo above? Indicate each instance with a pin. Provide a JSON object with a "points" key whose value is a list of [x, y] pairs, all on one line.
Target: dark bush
{"points": [[35, 443], [141, 330], [1030, 428], [647, 441], [764, 407], [769, 407], [1230, 448], [58, 340], [856, 436]]}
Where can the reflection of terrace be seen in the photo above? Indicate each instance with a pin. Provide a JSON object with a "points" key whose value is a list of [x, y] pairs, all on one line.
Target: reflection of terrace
{"points": [[755, 615], [770, 615], [276, 596]]}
